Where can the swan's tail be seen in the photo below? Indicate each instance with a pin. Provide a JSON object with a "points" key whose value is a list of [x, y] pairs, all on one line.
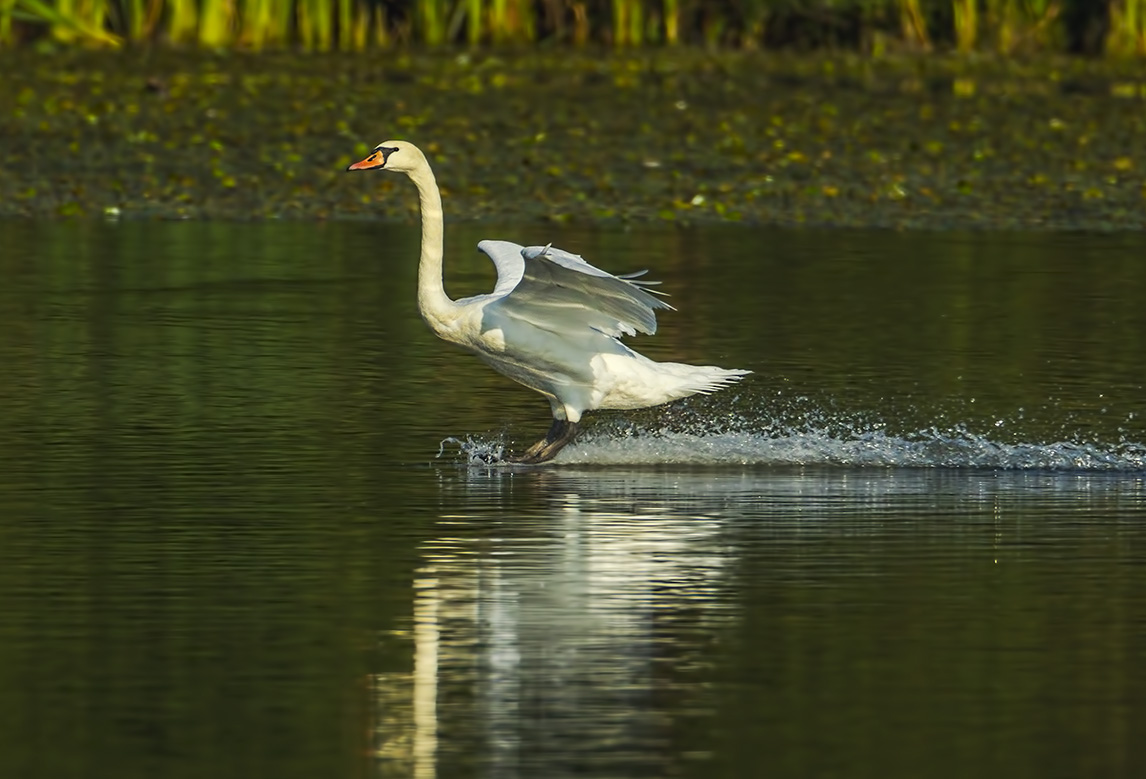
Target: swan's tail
{"points": [[635, 381], [682, 380]]}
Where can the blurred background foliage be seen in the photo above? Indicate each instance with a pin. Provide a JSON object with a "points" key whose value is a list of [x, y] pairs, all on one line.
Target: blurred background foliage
{"points": [[1008, 27]]}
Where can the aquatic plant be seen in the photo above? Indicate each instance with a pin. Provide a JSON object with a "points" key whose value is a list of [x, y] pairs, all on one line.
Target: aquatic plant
{"points": [[1127, 27], [68, 20], [913, 24], [966, 24], [1022, 23], [322, 25]]}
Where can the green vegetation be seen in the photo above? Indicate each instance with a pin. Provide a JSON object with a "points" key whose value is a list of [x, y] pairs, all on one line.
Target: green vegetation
{"points": [[1116, 27], [839, 139]]}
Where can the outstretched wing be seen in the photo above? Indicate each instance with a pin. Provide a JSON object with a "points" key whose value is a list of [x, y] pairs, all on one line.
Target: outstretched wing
{"points": [[556, 290], [506, 256]]}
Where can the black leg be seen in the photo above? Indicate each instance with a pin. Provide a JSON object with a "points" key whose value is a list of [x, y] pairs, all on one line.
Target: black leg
{"points": [[560, 433]]}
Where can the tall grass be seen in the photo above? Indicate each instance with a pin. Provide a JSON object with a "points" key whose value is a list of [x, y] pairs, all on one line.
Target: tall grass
{"points": [[966, 24], [913, 24], [182, 20], [672, 22], [1022, 24], [1004, 26], [1127, 28]]}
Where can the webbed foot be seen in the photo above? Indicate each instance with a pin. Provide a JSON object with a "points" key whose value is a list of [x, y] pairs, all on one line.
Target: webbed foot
{"points": [[560, 433]]}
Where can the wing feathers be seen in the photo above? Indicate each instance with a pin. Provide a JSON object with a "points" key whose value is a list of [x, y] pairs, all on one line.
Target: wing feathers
{"points": [[557, 290]]}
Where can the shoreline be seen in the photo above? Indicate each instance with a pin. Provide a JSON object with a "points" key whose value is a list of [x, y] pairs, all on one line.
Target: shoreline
{"points": [[682, 136]]}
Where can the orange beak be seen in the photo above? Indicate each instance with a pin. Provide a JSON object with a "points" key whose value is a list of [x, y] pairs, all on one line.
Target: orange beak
{"points": [[375, 160]]}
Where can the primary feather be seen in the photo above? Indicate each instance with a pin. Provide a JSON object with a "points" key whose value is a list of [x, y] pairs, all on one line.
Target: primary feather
{"points": [[553, 288]]}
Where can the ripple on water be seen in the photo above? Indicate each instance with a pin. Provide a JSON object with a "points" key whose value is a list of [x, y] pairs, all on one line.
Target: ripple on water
{"points": [[740, 441]]}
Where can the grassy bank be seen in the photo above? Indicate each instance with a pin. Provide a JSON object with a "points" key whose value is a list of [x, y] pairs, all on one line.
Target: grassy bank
{"points": [[687, 137], [1116, 27]]}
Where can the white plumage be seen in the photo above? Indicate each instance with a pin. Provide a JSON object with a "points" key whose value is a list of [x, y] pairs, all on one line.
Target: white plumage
{"points": [[553, 321]]}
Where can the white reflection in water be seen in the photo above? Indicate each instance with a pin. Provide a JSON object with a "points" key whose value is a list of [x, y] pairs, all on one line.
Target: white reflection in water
{"points": [[546, 640], [426, 642], [548, 613]]}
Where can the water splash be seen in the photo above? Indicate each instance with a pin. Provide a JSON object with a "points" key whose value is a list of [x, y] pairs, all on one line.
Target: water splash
{"points": [[476, 451], [703, 434], [955, 448]]}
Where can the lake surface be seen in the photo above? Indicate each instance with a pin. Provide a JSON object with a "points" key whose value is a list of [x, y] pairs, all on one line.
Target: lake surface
{"points": [[237, 540]]}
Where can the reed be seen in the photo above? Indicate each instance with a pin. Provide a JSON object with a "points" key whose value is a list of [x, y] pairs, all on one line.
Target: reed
{"points": [[216, 24], [474, 13], [527, 22], [511, 20], [753, 23], [432, 19], [134, 19], [255, 25], [67, 9], [321, 25], [345, 24], [621, 10], [8, 11], [580, 23], [316, 25], [182, 21], [630, 23], [672, 22], [913, 24], [1127, 34], [1021, 24], [70, 24], [966, 24], [381, 31], [1004, 18], [77, 16], [636, 23], [499, 22]]}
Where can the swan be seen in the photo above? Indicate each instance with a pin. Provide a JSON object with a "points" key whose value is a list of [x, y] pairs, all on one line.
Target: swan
{"points": [[553, 321]]}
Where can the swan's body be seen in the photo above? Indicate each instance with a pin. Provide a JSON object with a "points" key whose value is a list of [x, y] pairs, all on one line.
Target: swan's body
{"points": [[553, 321]]}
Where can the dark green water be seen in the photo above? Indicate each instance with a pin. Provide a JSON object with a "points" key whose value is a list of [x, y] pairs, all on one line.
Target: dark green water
{"points": [[912, 544]]}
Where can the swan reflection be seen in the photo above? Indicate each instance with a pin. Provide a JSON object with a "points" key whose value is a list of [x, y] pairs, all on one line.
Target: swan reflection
{"points": [[547, 633], [569, 621]]}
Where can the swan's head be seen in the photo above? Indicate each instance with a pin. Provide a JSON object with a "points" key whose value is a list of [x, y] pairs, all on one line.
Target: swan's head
{"points": [[400, 156]]}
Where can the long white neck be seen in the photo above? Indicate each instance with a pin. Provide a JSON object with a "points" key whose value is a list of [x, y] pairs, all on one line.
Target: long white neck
{"points": [[434, 305]]}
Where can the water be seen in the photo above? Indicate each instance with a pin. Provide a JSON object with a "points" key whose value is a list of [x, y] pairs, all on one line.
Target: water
{"points": [[910, 544]]}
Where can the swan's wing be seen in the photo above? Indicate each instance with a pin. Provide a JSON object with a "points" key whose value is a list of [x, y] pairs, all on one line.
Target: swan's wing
{"points": [[556, 290], [508, 260], [612, 304]]}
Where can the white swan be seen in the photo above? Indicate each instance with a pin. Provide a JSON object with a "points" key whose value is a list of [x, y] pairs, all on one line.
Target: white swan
{"points": [[551, 323]]}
